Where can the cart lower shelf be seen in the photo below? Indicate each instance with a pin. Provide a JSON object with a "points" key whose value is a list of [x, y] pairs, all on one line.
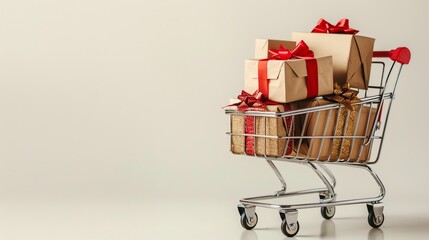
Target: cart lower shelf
{"points": [[327, 200]]}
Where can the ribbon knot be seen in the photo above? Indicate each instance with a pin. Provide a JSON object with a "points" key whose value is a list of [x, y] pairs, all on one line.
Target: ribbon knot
{"points": [[252, 102], [342, 26], [301, 50], [282, 53], [344, 96]]}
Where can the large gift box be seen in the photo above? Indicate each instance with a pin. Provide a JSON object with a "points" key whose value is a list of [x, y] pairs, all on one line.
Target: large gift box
{"points": [[262, 46], [351, 54], [357, 122], [276, 127], [288, 81]]}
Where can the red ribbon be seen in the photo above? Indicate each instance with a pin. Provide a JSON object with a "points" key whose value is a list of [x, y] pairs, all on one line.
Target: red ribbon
{"points": [[252, 102], [342, 26], [312, 78], [300, 51]]}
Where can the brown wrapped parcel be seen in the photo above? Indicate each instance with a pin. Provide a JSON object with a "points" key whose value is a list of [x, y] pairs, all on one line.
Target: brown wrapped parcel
{"points": [[288, 78], [269, 126], [351, 55], [324, 123]]}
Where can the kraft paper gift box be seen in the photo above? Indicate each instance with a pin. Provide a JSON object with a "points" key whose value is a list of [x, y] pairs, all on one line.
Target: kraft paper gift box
{"points": [[263, 45], [270, 126], [288, 78], [356, 123], [351, 54]]}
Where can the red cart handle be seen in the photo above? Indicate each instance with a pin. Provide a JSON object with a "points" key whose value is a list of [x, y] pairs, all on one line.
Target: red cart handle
{"points": [[401, 55]]}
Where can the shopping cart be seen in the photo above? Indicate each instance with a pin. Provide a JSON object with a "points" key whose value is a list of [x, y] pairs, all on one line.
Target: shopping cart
{"points": [[317, 147]]}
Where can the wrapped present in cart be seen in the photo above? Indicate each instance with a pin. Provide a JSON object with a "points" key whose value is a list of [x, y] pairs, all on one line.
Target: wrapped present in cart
{"points": [[340, 129]]}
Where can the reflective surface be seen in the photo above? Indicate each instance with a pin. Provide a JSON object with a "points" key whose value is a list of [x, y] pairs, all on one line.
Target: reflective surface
{"points": [[184, 219]]}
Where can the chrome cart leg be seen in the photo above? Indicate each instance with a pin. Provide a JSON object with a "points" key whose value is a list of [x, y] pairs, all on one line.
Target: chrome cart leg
{"points": [[330, 194], [290, 224], [248, 216], [379, 182], [375, 209], [375, 214], [279, 176], [327, 212], [330, 174]]}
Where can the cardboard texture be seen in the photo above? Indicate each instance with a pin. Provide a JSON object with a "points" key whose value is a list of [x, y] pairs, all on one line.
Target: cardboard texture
{"points": [[288, 78], [263, 45], [270, 126], [354, 125], [351, 55]]}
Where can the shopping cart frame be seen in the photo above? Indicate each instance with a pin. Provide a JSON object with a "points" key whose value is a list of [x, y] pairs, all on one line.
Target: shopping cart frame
{"points": [[289, 212]]}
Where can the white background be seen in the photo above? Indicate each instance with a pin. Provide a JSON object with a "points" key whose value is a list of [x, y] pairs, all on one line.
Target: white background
{"points": [[111, 124]]}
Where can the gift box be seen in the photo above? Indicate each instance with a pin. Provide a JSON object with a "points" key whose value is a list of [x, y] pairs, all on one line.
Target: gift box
{"points": [[269, 126], [288, 81], [262, 46], [356, 122], [351, 54]]}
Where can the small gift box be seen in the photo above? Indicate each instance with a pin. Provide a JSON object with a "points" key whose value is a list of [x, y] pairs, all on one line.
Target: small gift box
{"points": [[262, 46], [276, 127], [351, 54], [287, 76], [356, 121]]}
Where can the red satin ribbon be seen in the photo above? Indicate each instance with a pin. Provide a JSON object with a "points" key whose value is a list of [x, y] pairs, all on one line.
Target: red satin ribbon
{"points": [[263, 81], [342, 26], [300, 51], [312, 78]]}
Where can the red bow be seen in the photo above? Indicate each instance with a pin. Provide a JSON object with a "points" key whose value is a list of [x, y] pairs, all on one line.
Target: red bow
{"points": [[342, 27], [300, 51], [252, 102]]}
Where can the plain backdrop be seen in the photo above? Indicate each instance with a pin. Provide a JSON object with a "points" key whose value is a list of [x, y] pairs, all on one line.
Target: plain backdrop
{"points": [[120, 101]]}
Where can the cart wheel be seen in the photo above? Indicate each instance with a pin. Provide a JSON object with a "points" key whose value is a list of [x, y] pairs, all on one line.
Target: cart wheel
{"points": [[247, 223], [289, 231], [327, 212], [374, 221]]}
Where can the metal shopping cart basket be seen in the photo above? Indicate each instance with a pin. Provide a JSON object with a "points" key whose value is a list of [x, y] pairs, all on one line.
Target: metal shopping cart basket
{"points": [[318, 143]]}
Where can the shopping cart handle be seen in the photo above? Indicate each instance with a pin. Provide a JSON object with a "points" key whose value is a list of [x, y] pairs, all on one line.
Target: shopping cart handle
{"points": [[401, 55]]}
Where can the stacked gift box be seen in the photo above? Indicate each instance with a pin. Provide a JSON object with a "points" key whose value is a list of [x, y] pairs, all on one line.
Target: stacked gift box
{"points": [[328, 65]]}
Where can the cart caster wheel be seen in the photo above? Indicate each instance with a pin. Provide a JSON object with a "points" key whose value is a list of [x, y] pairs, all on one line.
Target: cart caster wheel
{"points": [[374, 221], [375, 214], [327, 212], [247, 223], [289, 230]]}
